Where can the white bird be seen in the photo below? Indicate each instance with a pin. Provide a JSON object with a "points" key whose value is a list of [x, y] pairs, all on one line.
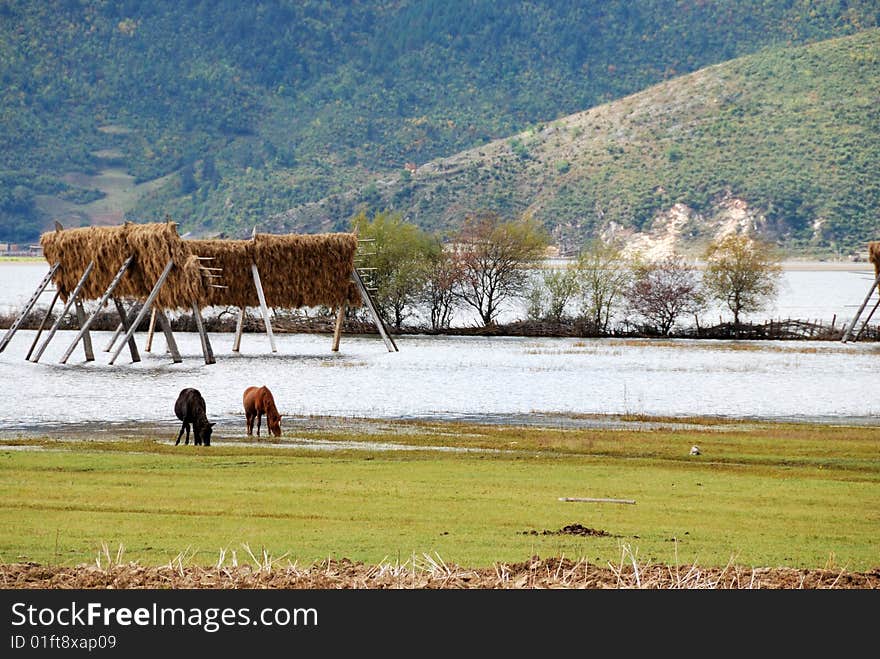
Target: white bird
{"points": [[695, 450]]}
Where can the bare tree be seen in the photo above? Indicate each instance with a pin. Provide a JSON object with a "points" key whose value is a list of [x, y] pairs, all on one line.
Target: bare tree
{"points": [[664, 289], [603, 275], [742, 273], [493, 256], [443, 278]]}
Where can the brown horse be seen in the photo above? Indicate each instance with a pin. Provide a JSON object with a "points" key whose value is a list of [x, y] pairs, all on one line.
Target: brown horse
{"points": [[257, 402]]}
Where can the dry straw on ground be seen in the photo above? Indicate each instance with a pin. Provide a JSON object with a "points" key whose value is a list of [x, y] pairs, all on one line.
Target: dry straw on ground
{"points": [[295, 270]]}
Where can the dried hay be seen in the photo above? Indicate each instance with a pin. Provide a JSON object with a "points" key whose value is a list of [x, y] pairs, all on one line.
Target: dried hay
{"points": [[75, 248], [152, 244], [307, 270], [234, 258], [874, 255], [295, 270]]}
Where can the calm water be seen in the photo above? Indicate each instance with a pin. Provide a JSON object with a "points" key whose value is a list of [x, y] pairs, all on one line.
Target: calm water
{"points": [[470, 378], [473, 378]]}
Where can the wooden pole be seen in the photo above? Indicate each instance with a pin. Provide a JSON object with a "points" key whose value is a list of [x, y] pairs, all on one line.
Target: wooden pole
{"points": [[337, 331], [368, 301], [43, 323], [132, 346], [28, 306], [113, 338], [144, 309], [592, 500], [867, 320], [150, 331], [165, 324], [855, 319], [239, 327], [264, 309], [70, 301], [84, 324], [203, 335], [83, 332]]}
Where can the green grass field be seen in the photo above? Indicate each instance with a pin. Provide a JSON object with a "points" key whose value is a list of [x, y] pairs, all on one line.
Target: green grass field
{"points": [[760, 495]]}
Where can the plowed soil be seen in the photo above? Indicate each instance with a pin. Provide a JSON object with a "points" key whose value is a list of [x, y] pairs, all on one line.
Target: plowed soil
{"points": [[343, 574]]}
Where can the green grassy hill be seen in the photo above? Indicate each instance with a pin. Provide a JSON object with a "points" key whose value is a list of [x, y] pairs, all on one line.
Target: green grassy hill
{"points": [[223, 113], [789, 138]]}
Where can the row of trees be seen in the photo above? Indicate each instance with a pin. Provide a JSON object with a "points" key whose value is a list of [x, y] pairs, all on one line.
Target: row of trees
{"points": [[490, 262]]}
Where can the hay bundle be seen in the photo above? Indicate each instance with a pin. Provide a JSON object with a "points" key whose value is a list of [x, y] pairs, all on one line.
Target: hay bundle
{"points": [[74, 248], [874, 255], [307, 270], [154, 244], [234, 258]]}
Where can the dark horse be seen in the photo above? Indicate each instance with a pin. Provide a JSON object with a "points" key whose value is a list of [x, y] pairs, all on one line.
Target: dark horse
{"points": [[190, 408], [257, 402]]}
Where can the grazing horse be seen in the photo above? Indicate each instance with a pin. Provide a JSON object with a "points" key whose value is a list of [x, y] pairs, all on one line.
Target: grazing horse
{"points": [[257, 402], [190, 408]]}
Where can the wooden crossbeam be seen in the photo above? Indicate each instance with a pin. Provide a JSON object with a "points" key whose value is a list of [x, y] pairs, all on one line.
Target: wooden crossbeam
{"points": [[132, 346], [43, 323], [70, 302], [28, 306], [368, 301], [84, 323], [144, 309], [113, 338], [855, 319]]}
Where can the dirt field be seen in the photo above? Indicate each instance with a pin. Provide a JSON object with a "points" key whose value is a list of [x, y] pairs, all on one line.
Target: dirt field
{"points": [[428, 574]]}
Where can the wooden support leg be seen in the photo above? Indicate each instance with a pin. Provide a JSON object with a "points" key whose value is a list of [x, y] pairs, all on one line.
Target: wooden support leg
{"points": [[855, 319], [132, 346], [84, 324], [57, 323], [368, 301], [113, 338], [143, 312], [43, 323], [239, 326], [165, 324], [337, 331], [83, 331], [867, 320], [150, 331], [28, 306], [264, 309], [203, 335]]}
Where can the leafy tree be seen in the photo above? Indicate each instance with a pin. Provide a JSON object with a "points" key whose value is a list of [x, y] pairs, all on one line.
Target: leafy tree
{"points": [[603, 275], [401, 261], [664, 289], [493, 256], [742, 273]]}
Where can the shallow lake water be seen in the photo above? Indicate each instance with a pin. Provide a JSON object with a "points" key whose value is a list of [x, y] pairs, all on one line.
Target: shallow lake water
{"points": [[508, 379]]}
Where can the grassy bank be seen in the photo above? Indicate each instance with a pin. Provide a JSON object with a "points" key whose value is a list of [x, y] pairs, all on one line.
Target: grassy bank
{"points": [[761, 495]]}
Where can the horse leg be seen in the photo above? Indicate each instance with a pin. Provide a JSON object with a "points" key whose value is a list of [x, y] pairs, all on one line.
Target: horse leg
{"points": [[250, 423], [180, 434], [259, 420], [187, 434]]}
